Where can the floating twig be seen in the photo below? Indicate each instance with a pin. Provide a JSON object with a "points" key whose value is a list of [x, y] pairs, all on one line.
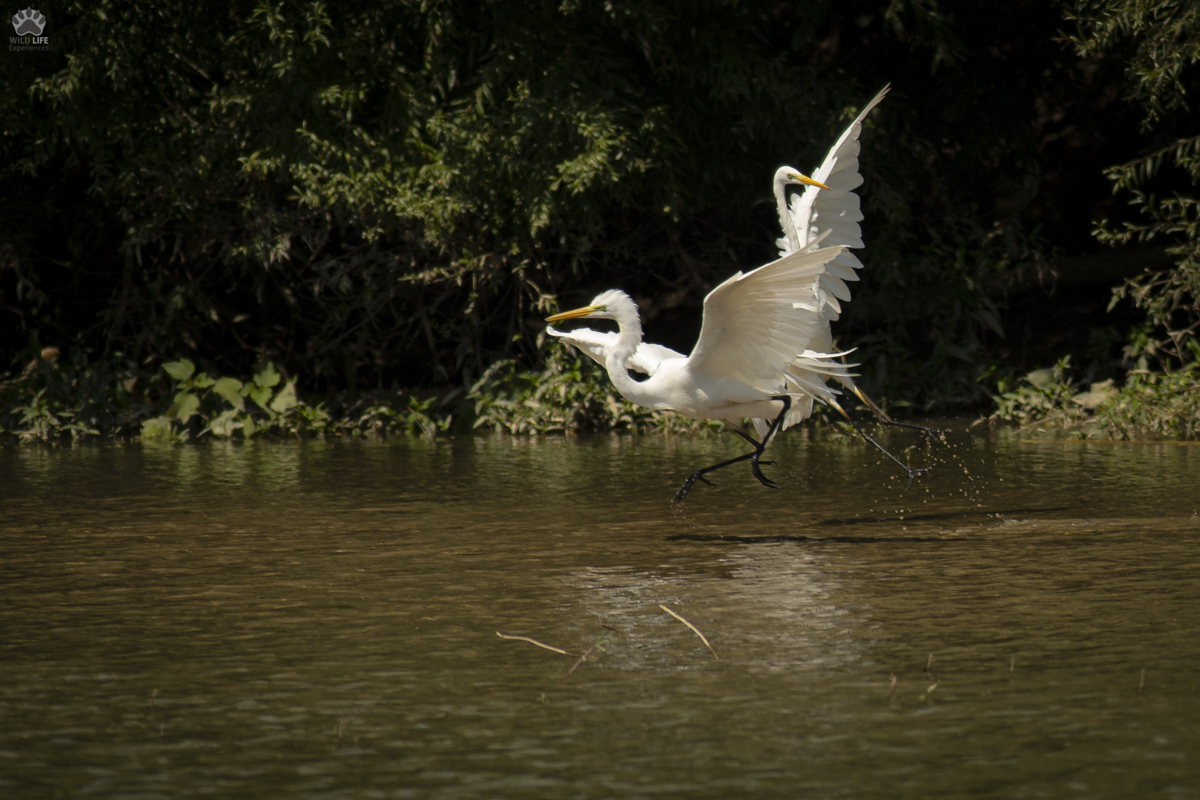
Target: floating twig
{"points": [[542, 645], [929, 663], [582, 659], [695, 630], [892, 693]]}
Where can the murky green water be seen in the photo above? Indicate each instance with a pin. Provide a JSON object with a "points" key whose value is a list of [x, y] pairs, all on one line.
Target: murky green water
{"points": [[318, 620]]}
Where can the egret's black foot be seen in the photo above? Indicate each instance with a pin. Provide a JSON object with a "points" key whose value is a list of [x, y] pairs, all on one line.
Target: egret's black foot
{"points": [[698, 475], [683, 490], [914, 473], [763, 479]]}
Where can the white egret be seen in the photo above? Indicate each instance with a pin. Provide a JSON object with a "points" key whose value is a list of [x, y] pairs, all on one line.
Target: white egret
{"points": [[757, 327], [836, 214], [761, 329]]}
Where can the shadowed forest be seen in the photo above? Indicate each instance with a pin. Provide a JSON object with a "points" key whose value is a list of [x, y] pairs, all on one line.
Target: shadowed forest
{"points": [[230, 218]]}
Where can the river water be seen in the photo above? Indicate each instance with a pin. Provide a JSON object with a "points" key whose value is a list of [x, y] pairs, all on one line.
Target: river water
{"points": [[320, 620]]}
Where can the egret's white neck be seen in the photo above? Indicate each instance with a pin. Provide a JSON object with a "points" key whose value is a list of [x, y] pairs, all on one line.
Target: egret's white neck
{"points": [[630, 336], [785, 217]]}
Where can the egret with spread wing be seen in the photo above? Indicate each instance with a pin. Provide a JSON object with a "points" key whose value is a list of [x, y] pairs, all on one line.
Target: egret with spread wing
{"points": [[765, 347], [835, 215], [756, 327]]}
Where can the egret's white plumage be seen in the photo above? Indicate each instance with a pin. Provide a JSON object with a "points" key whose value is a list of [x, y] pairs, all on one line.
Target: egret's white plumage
{"points": [[818, 217], [756, 325], [596, 344], [832, 213], [764, 348]]}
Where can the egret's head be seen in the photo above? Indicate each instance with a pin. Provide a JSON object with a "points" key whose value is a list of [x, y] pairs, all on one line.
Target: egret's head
{"points": [[792, 176], [606, 305]]}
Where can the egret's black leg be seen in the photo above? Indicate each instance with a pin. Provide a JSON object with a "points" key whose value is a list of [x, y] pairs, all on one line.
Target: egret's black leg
{"points": [[753, 457], [698, 475], [882, 416], [912, 473], [755, 461]]}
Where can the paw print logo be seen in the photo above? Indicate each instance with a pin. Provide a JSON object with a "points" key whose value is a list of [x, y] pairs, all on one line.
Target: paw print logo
{"points": [[29, 22]]}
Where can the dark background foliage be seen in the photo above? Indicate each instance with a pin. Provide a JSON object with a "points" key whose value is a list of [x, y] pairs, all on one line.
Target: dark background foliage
{"points": [[393, 194]]}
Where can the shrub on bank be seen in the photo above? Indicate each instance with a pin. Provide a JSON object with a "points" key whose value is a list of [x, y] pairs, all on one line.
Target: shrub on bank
{"points": [[1150, 405], [53, 402]]}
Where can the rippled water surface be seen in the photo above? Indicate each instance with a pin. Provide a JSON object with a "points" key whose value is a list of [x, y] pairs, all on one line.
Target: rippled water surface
{"points": [[319, 620]]}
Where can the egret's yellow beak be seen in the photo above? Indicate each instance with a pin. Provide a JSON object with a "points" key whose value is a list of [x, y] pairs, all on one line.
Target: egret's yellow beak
{"points": [[579, 312], [796, 176]]}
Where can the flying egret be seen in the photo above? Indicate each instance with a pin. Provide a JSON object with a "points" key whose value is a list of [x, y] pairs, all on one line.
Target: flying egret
{"points": [[757, 327], [836, 214]]}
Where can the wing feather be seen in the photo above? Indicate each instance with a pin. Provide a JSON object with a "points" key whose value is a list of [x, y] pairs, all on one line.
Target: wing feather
{"points": [[757, 323], [844, 266], [646, 358], [816, 208]]}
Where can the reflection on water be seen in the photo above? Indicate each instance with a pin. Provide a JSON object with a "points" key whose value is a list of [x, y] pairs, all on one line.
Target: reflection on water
{"points": [[319, 620]]}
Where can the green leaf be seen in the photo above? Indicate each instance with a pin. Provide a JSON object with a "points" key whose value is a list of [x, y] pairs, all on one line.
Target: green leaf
{"points": [[224, 424], [286, 399], [184, 406], [1042, 378], [202, 381], [230, 389], [262, 397], [248, 426], [157, 428], [267, 378], [180, 370]]}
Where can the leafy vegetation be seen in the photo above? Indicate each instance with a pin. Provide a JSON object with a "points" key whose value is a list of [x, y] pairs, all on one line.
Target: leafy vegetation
{"points": [[52, 402], [1158, 43], [1161, 40], [571, 393], [1151, 404], [383, 198]]}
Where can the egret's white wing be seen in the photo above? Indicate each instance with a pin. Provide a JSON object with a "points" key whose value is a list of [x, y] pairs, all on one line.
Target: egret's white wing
{"points": [[593, 343], [806, 378], [835, 210], [597, 344], [648, 356], [756, 324]]}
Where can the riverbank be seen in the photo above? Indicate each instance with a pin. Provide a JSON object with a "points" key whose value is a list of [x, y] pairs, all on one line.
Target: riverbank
{"points": [[56, 399]]}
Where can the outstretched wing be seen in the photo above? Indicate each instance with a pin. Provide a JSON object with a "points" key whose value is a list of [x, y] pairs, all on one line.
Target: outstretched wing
{"points": [[758, 323], [597, 343], [836, 210]]}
